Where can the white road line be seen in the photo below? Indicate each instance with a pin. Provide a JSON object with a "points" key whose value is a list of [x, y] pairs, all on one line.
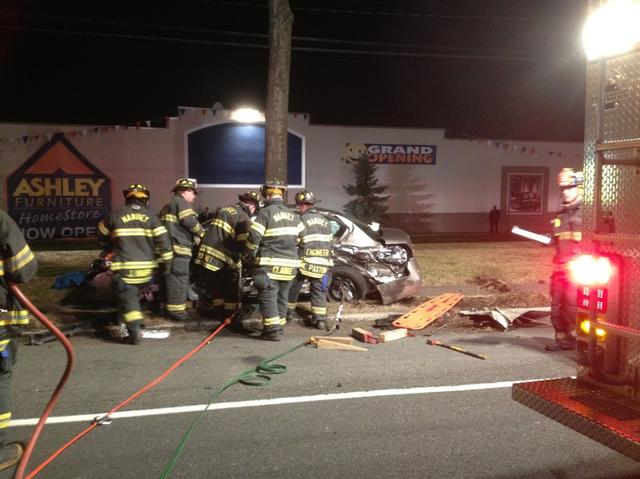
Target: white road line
{"points": [[273, 402]]}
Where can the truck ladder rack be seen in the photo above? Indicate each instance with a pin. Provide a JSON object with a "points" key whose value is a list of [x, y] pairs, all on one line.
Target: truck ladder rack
{"points": [[596, 412]]}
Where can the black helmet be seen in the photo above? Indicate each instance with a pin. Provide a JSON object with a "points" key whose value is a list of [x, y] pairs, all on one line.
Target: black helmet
{"points": [[567, 178], [250, 197], [137, 191], [271, 185], [306, 197], [186, 184]]}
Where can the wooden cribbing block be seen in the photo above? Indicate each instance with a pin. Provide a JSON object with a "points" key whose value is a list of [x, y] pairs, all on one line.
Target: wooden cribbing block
{"points": [[335, 339], [386, 336], [322, 343], [363, 335]]}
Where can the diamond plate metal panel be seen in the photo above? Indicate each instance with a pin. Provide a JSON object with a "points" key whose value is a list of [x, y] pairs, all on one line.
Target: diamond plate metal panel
{"points": [[621, 108], [564, 400]]}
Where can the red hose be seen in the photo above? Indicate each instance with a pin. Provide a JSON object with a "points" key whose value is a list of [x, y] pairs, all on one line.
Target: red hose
{"points": [[54, 397], [131, 398]]}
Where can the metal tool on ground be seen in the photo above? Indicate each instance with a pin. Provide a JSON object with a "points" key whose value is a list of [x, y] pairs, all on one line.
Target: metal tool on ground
{"points": [[428, 312], [334, 323], [531, 235], [435, 342]]}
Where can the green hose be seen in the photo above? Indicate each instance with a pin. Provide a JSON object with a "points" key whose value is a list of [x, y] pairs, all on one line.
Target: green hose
{"points": [[257, 376]]}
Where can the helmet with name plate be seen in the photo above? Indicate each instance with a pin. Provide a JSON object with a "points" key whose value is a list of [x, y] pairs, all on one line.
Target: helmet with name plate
{"points": [[186, 184], [250, 197], [137, 191], [567, 178], [273, 186], [306, 197]]}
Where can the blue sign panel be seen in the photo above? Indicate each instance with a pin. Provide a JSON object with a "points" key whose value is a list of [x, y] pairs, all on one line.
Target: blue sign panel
{"points": [[233, 154], [58, 193]]}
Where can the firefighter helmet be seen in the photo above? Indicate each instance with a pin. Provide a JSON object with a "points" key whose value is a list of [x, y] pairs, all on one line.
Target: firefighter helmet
{"points": [[567, 178], [274, 185], [186, 184], [306, 197], [250, 197], [137, 191]]}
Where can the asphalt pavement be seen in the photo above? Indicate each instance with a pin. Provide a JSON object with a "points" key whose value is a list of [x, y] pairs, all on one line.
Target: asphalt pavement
{"points": [[403, 409]]}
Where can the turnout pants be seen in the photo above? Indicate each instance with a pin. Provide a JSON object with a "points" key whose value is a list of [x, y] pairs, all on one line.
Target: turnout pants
{"points": [[176, 284], [273, 296], [222, 289], [129, 311], [563, 303], [8, 358], [317, 295]]}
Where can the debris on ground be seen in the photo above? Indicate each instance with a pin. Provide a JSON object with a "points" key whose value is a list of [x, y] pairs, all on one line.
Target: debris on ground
{"points": [[393, 335], [435, 342], [503, 318], [155, 333], [491, 283]]}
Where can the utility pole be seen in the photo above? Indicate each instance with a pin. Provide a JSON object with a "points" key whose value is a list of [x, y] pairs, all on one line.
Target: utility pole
{"points": [[280, 26]]}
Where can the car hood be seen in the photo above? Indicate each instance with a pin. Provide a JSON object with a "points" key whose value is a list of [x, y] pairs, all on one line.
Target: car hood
{"points": [[395, 236]]}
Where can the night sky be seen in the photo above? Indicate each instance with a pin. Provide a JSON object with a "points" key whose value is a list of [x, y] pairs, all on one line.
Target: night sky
{"points": [[484, 68]]}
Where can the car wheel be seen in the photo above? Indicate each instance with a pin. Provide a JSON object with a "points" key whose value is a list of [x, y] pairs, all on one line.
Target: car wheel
{"points": [[348, 280]]}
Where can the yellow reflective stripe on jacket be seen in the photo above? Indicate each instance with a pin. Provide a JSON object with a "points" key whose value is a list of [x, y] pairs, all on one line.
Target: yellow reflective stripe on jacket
{"points": [[242, 237], [18, 261], [103, 229], [184, 213], [169, 217], [120, 232], [318, 260], [317, 237], [251, 246], [8, 318], [181, 250], [118, 265], [556, 222], [258, 228], [570, 235], [136, 280], [281, 277], [223, 225], [3, 344], [267, 261], [166, 256], [218, 254], [160, 230], [206, 265], [284, 231]]}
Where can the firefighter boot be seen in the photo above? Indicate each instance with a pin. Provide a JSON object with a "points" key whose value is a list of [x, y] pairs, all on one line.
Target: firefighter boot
{"points": [[10, 454], [563, 342], [271, 333], [237, 325], [319, 322], [135, 333]]}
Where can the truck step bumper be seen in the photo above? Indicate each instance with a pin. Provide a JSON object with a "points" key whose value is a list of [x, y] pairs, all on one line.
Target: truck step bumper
{"points": [[602, 415]]}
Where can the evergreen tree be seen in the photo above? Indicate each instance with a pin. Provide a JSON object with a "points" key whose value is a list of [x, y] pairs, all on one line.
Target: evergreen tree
{"points": [[368, 204]]}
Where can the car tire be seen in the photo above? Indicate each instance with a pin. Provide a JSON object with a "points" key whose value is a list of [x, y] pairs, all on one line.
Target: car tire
{"points": [[350, 278]]}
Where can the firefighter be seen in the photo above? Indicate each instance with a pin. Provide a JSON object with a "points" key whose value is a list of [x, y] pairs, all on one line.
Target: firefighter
{"points": [[17, 265], [568, 234], [316, 259], [138, 244], [218, 258], [184, 228], [273, 240]]}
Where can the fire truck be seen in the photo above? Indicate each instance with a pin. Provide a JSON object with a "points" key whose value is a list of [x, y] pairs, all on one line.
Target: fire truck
{"points": [[603, 400]]}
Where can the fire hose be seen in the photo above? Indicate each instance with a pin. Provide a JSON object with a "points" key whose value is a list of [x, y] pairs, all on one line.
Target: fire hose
{"points": [[56, 393]]}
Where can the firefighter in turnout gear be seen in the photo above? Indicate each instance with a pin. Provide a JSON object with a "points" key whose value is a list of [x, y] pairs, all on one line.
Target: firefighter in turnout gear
{"points": [[184, 228], [273, 240], [568, 234], [139, 244], [17, 265], [315, 252], [217, 261]]}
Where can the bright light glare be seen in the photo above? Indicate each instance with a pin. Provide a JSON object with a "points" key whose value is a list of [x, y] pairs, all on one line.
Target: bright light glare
{"points": [[247, 115], [586, 327], [612, 29], [587, 270]]}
